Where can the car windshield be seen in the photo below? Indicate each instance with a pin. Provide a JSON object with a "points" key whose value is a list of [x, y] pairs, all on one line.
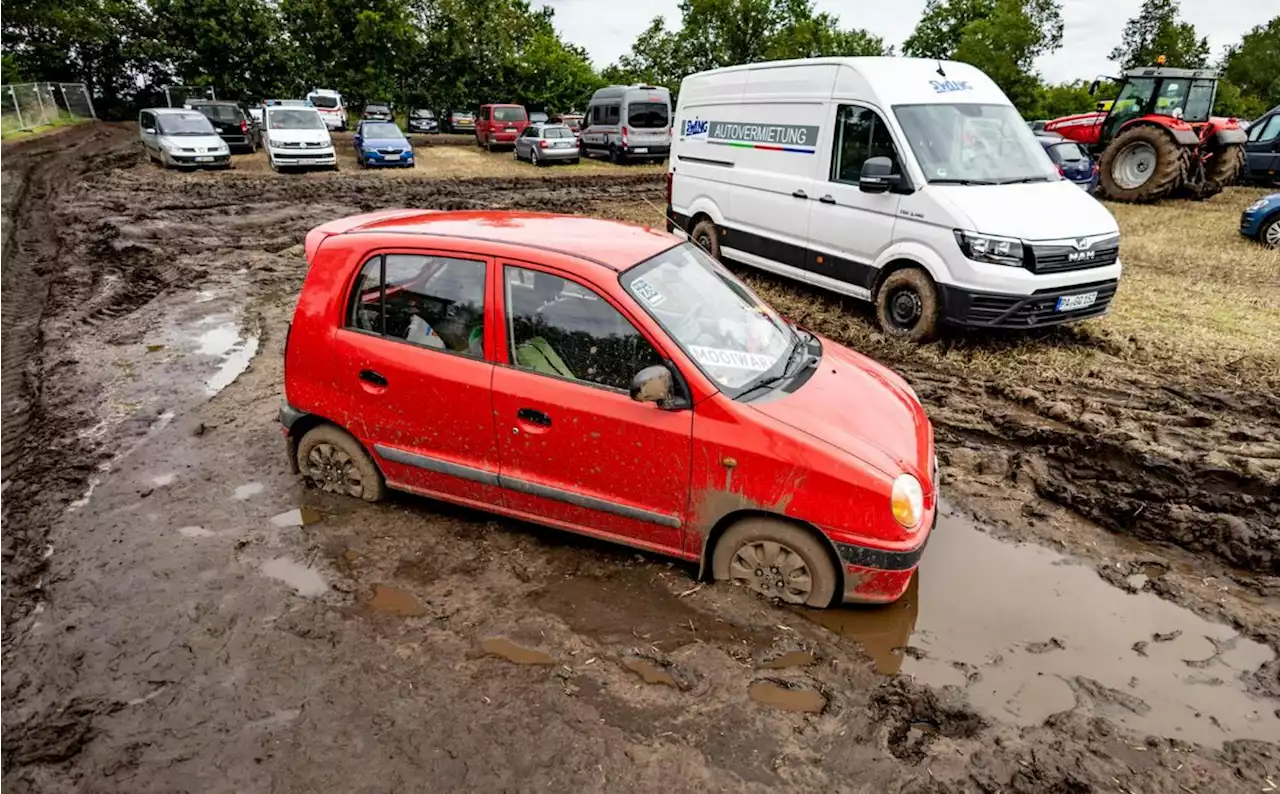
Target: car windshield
{"points": [[508, 114], [537, 118], [377, 109], [382, 131], [1067, 152], [184, 124], [423, 114], [463, 116], [225, 113], [291, 119], [647, 115], [557, 132], [716, 319], [322, 101], [974, 144]]}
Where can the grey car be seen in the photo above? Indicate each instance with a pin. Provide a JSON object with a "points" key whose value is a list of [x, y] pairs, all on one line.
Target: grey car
{"points": [[542, 144]]}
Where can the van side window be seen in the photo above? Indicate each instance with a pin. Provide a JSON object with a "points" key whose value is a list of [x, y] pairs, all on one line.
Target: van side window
{"points": [[613, 114], [431, 301], [860, 134]]}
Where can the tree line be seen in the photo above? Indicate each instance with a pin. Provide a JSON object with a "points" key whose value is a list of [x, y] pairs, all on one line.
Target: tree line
{"points": [[460, 53]]}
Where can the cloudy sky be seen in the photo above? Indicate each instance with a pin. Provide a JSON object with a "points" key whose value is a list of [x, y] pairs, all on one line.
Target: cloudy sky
{"points": [[606, 28]]}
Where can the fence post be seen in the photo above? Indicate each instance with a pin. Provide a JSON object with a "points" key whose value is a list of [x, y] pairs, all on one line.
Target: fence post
{"points": [[84, 88], [35, 88], [22, 125], [167, 100]]}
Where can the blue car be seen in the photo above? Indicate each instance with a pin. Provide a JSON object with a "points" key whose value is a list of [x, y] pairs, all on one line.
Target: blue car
{"points": [[382, 143], [1261, 221], [1073, 162]]}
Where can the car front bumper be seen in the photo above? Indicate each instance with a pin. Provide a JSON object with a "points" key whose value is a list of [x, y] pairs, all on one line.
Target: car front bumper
{"points": [[200, 160], [375, 159], [880, 576], [974, 309], [302, 157], [1251, 222]]}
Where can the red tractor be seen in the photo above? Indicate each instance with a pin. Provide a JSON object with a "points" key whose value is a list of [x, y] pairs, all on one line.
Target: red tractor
{"points": [[1157, 138]]}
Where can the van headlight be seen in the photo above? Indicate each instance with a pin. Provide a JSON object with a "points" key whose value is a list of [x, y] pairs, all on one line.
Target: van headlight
{"points": [[989, 248], [907, 501]]}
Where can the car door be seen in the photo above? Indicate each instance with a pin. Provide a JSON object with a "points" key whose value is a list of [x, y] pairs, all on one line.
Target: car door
{"points": [[1262, 150], [575, 450], [357, 140], [411, 352], [147, 127], [847, 227]]}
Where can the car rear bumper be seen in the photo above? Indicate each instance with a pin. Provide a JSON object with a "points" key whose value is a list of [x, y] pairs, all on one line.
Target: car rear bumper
{"points": [[559, 154], [647, 150], [974, 309]]}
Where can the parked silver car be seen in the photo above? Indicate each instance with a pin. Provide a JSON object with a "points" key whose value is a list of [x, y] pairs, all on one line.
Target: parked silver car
{"points": [[178, 138], [542, 144]]}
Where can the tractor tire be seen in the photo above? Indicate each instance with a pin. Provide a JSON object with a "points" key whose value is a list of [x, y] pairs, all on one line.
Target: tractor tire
{"points": [[1142, 164], [1224, 167]]}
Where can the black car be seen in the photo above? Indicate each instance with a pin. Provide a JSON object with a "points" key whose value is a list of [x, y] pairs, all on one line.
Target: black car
{"points": [[1262, 150], [423, 120], [376, 112], [235, 128]]}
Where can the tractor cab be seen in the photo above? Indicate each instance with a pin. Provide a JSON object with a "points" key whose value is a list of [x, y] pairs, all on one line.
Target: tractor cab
{"points": [[1185, 95]]}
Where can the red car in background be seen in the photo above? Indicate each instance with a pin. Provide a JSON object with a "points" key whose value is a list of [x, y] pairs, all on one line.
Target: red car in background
{"points": [[607, 379], [500, 125]]}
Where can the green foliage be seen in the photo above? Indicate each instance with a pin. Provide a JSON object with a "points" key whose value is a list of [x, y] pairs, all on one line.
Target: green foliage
{"points": [[229, 44], [1069, 99], [717, 33], [1156, 31], [1253, 69]]}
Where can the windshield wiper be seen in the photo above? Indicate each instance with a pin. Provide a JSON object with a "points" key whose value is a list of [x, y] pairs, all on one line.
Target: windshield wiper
{"points": [[962, 182], [1024, 180], [797, 346]]}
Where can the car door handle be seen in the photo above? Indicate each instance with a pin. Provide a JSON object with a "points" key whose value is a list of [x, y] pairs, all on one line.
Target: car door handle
{"points": [[827, 200], [534, 416], [800, 194], [375, 378]]}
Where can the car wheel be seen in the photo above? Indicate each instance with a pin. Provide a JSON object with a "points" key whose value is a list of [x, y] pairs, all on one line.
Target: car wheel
{"points": [[777, 560], [907, 306], [574, 161], [707, 237], [515, 152], [488, 145], [1270, 233], [615, 156], [533, 157], [333, 461]]}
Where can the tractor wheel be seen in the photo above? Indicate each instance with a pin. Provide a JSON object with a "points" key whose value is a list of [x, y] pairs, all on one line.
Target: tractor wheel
{"points": [[1142, 164], [1224, 168]]}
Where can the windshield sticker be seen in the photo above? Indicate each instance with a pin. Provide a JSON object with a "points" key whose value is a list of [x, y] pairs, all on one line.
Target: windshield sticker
{"points": [[948, 86], [730, 359], [795, 138], [647, 292]]}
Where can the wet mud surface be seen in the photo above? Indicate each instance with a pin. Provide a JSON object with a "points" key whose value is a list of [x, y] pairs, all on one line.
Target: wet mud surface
{"points": [[180, 613]]}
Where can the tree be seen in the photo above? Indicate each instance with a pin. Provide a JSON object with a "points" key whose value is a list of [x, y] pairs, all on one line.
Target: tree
{"points": [[1156, 31], [233, 45], [360, 48], [1069, 99], [1001, 37], [1252, 68]]}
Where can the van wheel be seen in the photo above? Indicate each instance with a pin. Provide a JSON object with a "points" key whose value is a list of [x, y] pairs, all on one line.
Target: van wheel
{"points": [[907, 306], [777, 560], [615, 156], [333, 461], [707, 237]]}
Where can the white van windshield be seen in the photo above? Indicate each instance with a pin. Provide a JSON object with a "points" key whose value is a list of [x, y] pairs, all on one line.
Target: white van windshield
{"points": [[974, 144], [716, 319], [294, 120]]}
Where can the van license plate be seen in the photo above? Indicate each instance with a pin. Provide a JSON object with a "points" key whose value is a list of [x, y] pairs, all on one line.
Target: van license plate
{"points": [[640, 151], [1084, 300], [204, 159]]}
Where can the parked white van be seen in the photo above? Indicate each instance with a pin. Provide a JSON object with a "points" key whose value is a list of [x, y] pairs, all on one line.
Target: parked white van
{"points": [[295, 136], [628, 122], [907, 182], [330, 106]]}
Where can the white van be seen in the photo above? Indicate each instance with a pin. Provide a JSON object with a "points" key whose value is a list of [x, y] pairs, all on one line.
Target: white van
{"points": [[628, 122], [907, 182], [295, 136], [331, 107]]}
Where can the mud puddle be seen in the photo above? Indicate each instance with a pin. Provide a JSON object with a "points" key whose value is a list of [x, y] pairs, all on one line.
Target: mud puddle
{"points": [[1026, 633], [233, 349], [390, 600], [780, 696], [297, 517], [304, 579], [652, 673], [501, 646]]}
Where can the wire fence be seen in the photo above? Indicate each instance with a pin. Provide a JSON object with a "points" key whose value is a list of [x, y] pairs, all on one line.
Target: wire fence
{"points": [[176, 96], [29, 106]]}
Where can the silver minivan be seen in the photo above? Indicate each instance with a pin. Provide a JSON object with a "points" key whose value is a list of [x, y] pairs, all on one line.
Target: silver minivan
{"points": [[177, 137], [628, 122]]}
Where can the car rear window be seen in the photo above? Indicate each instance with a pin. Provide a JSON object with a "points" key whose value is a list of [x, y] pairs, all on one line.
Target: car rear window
{"points": [[227, 113], [324, 101], [1065, 152], [508, 114], [377, 109], [557, 132], [647, 115]]}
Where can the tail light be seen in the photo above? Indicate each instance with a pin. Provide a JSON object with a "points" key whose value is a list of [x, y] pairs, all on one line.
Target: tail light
{"points": [[542, 144], [244, 126], [669, 175], [624, 136], [1062, 171], [1095, 169]]}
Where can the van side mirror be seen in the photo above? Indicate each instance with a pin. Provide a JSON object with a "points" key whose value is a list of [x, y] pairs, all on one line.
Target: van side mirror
{"points": [[653, 385], [149, 130], [1093, 87], [877, 176]]}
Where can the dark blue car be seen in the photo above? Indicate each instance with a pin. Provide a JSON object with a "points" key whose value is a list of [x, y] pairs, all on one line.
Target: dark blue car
{"points": [[1262, 150], [382, 143], [1261, 221], [1073, 162]]}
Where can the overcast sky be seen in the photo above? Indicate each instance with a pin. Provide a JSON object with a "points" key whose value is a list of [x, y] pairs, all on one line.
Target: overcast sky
{"points": [[606, 28]]}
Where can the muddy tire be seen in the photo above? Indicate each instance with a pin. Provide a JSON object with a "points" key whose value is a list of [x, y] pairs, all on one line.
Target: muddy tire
{"points": [[1269, 234], [333, 461], [907, 306], [1224, 168], [777, 560], [533, 158], [1142, 163], [615, 156], [574, 161], [707, 237]]}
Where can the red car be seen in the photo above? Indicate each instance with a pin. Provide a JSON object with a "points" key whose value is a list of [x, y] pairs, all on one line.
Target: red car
{"points": [[500, 125], [607, 379]]}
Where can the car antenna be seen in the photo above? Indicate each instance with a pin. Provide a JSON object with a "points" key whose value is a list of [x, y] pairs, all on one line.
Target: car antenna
{"points": [[944, 74], [676, 223]]}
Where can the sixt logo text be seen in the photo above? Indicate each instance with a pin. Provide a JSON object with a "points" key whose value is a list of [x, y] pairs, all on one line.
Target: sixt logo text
{"points": [[947, 86], [695, 127], [1081, 256]]}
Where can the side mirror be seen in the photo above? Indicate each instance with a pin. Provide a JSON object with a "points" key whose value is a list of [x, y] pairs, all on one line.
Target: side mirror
{"points": [[149, 130], [652, 385], [877, 176], [1093, 87]]}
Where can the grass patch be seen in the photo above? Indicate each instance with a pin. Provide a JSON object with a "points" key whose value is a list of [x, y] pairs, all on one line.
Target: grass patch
{"points": [[9, 130]]}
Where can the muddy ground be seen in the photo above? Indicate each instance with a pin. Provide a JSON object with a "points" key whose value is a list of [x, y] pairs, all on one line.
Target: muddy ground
{"points": [[180, 614]]}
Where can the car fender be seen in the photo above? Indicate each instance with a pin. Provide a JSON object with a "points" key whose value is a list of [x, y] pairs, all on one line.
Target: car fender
{"points": [[704, 205], [916, 253]]}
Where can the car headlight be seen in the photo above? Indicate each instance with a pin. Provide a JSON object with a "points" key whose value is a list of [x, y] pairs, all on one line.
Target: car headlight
{"points": [[989, 248], [1257, 205], [907, 501]]}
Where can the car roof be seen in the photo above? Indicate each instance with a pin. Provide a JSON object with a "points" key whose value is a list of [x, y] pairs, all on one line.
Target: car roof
{"points": [[171, 111], [611, 244]]}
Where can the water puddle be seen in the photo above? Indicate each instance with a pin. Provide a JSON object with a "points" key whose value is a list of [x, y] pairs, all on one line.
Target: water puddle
{"points": [[1028, 632], [247, 491], [298, 517], [395, 601], [651, 673], [196, 532], [501, 646], [790, 659], [307, 581], [161, 480], [780, 696]]}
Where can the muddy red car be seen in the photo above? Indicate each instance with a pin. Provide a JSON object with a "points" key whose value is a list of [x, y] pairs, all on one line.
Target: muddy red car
{"points": [[500, 125], [607, 379]]}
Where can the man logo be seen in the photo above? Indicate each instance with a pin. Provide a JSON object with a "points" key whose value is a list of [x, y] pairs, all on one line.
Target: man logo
{"points": [[1083, 244], [1082, 256]]}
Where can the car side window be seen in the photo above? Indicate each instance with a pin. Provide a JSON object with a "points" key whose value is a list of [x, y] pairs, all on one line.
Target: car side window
{"points": [[560, 328], [615, 114], [1267, 132], [431, 301], [860, 134]]}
